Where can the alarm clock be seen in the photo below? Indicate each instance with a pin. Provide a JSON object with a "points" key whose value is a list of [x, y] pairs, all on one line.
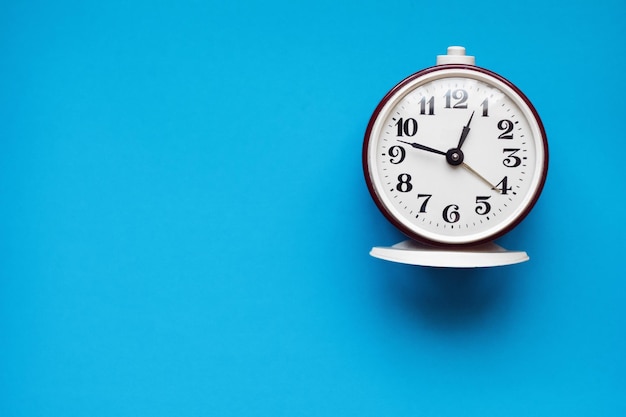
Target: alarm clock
{"points": [[455, 156]]}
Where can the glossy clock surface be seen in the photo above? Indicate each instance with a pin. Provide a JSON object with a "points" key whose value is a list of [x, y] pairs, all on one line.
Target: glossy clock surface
{"points": [[455, 155]]}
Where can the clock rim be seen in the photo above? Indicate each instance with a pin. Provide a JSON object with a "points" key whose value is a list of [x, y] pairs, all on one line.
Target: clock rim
{"points": [[403, 228]]}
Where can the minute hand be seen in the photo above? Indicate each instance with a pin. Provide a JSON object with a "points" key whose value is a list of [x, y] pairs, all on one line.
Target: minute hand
{"points": [[423, 147]]}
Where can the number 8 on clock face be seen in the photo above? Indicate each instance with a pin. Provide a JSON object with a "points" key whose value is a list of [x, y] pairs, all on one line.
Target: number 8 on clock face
{"points": [[455, 155]]}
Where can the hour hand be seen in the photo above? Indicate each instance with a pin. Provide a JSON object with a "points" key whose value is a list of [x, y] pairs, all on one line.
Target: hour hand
{"points": [[465, 132], [423, 147]]}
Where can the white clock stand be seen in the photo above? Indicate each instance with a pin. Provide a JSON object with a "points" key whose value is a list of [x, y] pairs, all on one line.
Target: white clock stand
{"points": [[414, 253]]}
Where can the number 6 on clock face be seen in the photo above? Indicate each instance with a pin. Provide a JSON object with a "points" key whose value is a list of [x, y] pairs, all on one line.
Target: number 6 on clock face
{"points": [[455, 155]]}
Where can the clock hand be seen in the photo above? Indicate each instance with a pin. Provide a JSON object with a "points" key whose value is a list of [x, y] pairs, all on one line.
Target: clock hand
{"points": [[423, 147], [470, 169], [465, 131]]}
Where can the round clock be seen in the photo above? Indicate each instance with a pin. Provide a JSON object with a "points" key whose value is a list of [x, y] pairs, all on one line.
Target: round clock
{"points": [[455, 155]]}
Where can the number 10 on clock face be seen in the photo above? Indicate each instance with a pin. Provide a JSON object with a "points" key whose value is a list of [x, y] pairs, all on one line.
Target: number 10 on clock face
{"points": [[455, 156]]}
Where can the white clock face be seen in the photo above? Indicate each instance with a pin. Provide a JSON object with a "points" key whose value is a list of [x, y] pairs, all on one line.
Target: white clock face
{"points": [[455, 156]]}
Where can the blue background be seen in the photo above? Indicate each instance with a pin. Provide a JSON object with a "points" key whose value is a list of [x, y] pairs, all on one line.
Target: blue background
{"points": [[185, 227]]}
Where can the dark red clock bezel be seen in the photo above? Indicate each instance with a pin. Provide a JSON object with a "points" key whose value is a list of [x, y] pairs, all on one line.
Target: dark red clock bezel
{"points": [[383, 208]]}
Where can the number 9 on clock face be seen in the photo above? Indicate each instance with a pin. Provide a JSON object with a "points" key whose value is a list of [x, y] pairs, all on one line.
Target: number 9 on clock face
{"points": [[455, 155]]}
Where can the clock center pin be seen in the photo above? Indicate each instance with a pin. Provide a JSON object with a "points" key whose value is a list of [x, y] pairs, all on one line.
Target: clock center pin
{"points": [[454, 156]]}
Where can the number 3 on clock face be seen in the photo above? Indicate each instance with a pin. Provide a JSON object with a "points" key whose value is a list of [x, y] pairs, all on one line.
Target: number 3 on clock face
{"points": [[455, 155]]}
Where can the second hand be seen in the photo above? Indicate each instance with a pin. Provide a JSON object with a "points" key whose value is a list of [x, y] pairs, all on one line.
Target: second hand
{"points": [[470, 169]]}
